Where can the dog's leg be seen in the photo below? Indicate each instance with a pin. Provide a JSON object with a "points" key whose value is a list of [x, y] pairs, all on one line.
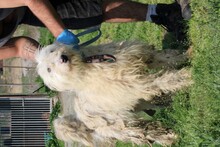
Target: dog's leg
{"points": [[154, 132], [69, 129], [173, 80], [133, 135], [165, 82], [146, 133], [166, 59], [92, 121], [109, 128]]}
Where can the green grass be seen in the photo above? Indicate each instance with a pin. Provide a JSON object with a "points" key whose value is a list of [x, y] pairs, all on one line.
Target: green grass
{"points": [[44, 89], [195, 115], [205, 94], [46, 37], [53, 141], [195, 112]]}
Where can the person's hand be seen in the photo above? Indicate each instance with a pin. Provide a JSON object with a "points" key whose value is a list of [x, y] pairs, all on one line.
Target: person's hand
{"points": [[68, 38]]}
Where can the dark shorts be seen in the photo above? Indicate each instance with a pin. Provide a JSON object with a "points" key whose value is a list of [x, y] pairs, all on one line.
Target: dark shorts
{"points": [[75, 14]]}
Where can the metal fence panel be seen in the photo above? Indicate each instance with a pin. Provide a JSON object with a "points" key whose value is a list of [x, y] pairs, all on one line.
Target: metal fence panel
{"points": [[24, 122]]}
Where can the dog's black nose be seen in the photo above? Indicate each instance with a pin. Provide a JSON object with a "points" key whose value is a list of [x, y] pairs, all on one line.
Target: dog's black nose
{"points": [[64, 58]]}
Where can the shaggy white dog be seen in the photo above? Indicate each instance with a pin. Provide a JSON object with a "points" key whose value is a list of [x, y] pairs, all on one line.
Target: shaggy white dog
{"points": [[107, 93]]}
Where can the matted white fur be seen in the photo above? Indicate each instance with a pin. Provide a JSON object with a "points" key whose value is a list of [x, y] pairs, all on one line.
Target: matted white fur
{"points": [[107, 93]]}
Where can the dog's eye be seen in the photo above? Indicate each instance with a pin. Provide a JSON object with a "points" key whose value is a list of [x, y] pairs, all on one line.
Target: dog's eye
{"points": [[48, 69]]}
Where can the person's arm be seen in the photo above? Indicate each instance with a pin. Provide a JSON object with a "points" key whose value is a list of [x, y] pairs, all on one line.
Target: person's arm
{"points": [[42, 9], [46, 13], [23, 47]]}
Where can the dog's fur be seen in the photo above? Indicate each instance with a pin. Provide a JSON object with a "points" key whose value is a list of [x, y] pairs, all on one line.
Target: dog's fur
{"points": [[107, 93]]}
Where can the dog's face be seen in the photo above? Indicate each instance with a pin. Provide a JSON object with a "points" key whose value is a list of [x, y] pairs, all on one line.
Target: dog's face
{"points": [[55, 64]]}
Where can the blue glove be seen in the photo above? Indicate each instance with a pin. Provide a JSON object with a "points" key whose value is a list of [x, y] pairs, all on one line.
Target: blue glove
{"points": [[68, 38]]}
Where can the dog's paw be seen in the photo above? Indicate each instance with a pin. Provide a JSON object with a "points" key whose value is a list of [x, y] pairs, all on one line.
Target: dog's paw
{"points": [[155, 133]]}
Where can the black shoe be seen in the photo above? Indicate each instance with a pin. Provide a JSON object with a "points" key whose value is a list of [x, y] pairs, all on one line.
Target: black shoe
{"points": [[169, 16]]}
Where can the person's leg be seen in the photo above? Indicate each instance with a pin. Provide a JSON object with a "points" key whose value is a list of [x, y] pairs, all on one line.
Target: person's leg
{"points": [[167, 15], [128, 11], [124, 11]]}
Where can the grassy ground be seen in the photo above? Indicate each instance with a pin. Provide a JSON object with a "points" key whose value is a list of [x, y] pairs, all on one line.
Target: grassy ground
{"points": [[195, 113], [201, 127]]}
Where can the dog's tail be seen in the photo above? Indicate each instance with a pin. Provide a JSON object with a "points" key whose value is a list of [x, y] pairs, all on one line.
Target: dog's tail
{"points": [[69, 129]]}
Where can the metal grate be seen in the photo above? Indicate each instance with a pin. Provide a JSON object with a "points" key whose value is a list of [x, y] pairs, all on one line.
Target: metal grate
{"points": [[24, 121]]}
